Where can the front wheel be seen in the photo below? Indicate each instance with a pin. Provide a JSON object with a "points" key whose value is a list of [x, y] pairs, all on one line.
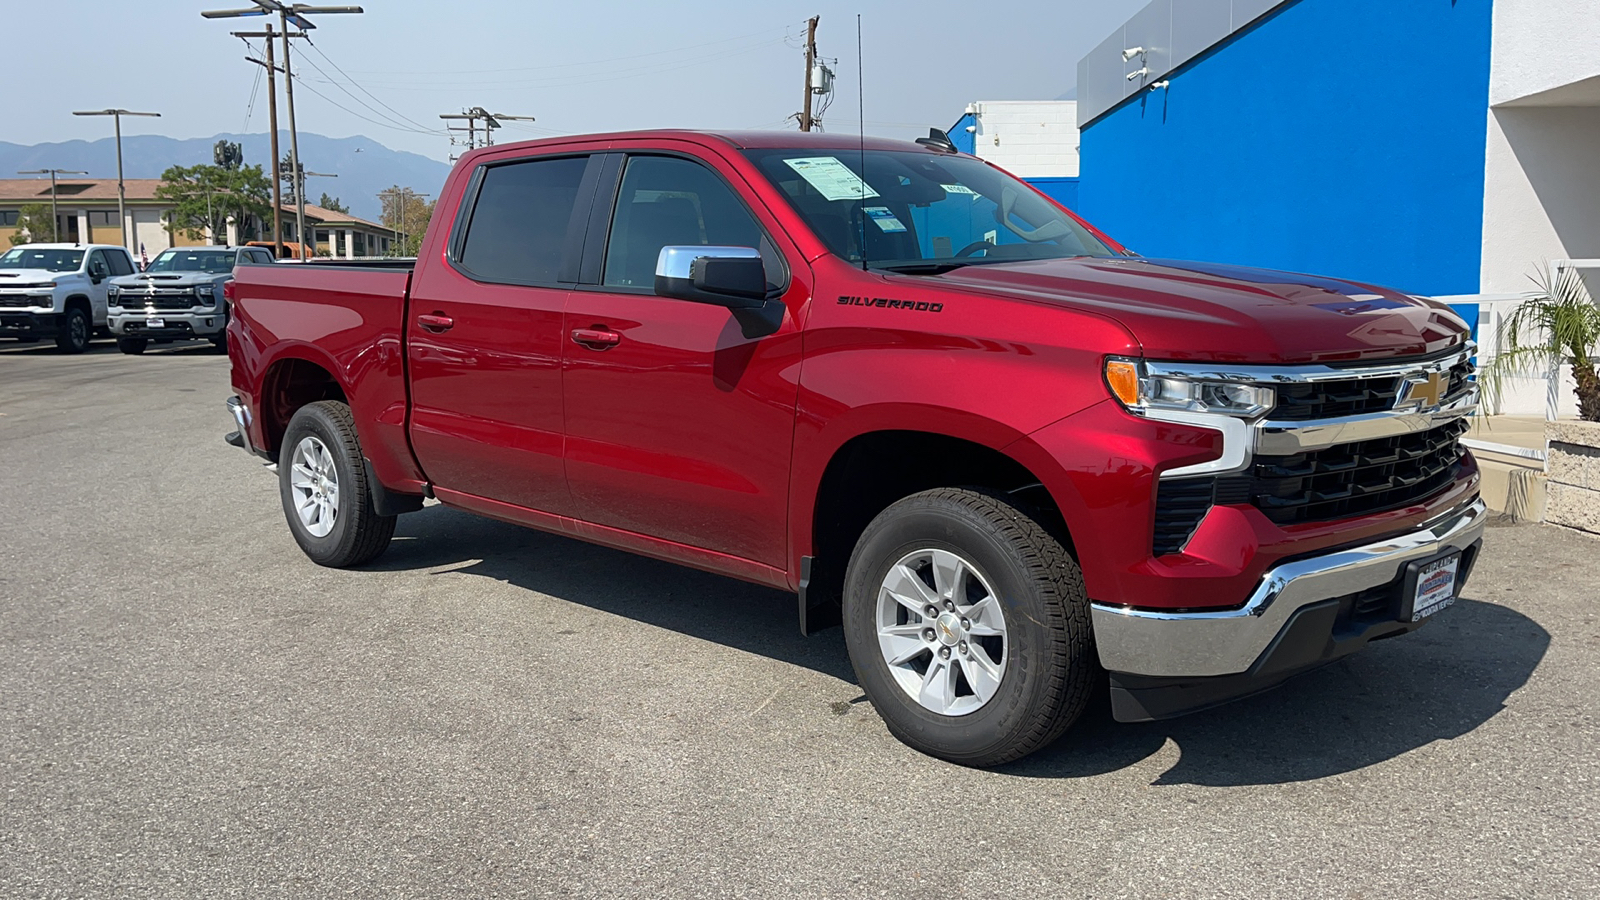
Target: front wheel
{"points": [[968, 627], [72, 335], [132, 346], [322, 481]]}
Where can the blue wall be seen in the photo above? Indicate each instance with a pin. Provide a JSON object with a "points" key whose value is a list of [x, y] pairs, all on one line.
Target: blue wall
{"points": [[1338, 137], [1062, 190], [965, 141]]}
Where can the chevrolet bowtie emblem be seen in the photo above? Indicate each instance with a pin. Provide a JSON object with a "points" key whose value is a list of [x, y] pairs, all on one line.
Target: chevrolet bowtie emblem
{"points": [[1424, 391]]}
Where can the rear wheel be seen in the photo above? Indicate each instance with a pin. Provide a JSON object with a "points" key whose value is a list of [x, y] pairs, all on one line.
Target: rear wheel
{"points": [[132, 345], [968, 627], [72, 335], [322, 481]]}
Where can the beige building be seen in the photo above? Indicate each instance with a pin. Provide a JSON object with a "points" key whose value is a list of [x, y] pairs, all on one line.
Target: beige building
{"points": [[86, 212]]}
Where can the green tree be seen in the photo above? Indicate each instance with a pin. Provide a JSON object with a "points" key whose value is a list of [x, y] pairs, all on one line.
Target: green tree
{"points": [[209, 195], [332, 204], [406, 212], [1559, 326], [35, 225]]}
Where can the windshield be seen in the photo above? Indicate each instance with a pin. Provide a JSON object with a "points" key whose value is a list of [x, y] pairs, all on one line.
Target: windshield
{"points": [[922, 211], [214, 262], [34, 258]]}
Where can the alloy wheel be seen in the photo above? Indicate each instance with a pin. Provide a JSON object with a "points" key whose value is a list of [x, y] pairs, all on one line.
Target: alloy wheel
{"points": [[942, 632]]}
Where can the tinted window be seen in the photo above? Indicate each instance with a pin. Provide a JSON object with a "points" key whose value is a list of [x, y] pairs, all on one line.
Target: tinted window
{"points": [[260, 256], [519, 224], [97, 263], [667, 201], [49, 259], [120, 263], [213, 262]]}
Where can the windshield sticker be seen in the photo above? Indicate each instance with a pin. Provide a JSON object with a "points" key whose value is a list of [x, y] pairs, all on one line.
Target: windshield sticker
{"points": [[884, 218], [958, 189], [831, 178]]}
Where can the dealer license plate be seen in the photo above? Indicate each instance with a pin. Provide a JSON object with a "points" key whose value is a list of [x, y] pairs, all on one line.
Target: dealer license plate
{"points": [[1436, 587], [155, 323]]}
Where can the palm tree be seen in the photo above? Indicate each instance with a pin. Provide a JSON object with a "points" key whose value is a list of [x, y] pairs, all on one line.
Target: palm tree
{"points": [[1559, 326]]}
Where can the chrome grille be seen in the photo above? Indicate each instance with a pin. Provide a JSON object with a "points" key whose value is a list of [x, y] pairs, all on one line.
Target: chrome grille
{"points": [[1355, 479]]}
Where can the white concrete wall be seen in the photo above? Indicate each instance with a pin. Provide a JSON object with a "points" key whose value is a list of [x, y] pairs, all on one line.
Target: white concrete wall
{"points": [[1541, 45], [1028, 138], [149, 230], [1541, 192]]}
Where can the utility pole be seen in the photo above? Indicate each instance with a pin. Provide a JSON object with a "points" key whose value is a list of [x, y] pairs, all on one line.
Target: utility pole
{"points": [[117, 114], [272, 113], [298, 13], [491, 121], [811, 61], [55, 218]]}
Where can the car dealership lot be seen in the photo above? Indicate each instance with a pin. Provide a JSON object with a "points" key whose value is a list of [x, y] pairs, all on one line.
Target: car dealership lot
{"points": [[189, 707]]}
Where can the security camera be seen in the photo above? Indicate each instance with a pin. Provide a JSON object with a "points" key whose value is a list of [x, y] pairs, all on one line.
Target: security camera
{"points": [[1131, 52], [971, 129], [1136, 74]]}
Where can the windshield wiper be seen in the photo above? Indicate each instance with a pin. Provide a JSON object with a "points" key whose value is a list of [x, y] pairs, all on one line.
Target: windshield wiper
{"points": [[931, 267]]}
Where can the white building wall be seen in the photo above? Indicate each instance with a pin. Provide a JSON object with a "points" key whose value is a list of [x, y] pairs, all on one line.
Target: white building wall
{"points": [[149, 230], [1540, 45], [1542, 176], [1028, 138]]}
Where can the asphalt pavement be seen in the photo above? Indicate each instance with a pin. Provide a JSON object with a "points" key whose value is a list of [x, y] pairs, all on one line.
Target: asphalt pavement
{"points": [[191, 708]]}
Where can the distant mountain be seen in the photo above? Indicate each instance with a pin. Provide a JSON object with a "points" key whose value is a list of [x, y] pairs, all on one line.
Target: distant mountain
{"points": [[361, 174]]}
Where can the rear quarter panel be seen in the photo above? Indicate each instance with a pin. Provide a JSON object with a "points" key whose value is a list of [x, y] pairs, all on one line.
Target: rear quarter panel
{"points": [[347, 321]]}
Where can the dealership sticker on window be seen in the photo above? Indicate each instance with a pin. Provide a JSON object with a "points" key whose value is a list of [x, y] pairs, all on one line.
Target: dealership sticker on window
{"points": [[957, 189], [831, 178], [883, 218]]}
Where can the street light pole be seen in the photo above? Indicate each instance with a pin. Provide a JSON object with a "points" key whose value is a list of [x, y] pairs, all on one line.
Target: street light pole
{"points": [[117, 114], [55, 217]]}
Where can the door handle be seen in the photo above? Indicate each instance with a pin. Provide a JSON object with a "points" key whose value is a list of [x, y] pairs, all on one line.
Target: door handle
{"points": [[595, 338], [436, 323]]}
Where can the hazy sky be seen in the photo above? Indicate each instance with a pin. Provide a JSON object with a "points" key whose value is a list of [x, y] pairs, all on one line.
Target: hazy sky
{"points": [[578, 67]]}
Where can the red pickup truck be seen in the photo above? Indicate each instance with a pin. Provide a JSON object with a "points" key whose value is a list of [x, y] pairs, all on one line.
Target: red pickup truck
{"points": [[1020, 464]]}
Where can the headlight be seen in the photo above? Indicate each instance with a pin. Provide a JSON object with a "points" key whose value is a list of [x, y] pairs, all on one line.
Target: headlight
{"points": [[203, 291], [1141, 387], [112, 295]]}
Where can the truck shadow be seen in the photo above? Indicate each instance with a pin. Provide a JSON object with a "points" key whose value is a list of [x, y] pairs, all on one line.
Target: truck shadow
{"points": [[1396, 696]]}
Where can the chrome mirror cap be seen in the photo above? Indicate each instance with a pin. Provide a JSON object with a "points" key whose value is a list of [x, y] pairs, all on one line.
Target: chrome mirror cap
{"points": [[675, 261]]}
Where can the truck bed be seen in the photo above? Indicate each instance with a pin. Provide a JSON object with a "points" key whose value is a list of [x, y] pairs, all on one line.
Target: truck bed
{"points": [[346, 318]]}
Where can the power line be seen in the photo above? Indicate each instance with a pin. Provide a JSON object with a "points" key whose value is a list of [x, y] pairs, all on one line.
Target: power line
{"points": [[433, 85], [589, 62], [362, 87], [399, 123]]}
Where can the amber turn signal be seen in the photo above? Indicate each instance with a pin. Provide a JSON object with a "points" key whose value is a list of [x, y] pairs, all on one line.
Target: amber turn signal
{"points": [[1122, 376]]}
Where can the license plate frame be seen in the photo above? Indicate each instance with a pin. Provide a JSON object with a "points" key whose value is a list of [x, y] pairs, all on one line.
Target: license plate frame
{"points": [[155, 322], [1431, 586]]}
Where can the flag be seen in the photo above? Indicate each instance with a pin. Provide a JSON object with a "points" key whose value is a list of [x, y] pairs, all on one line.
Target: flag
{"points": [[144, 258]]}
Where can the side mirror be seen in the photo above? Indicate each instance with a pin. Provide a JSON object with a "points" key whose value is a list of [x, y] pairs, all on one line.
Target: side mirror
{"points": [[733, 277], [724, 276]]}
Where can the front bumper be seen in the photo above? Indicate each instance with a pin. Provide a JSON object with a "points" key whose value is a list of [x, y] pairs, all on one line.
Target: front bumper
{"points": [[1303, 614], [175, 324], [14, 323]]}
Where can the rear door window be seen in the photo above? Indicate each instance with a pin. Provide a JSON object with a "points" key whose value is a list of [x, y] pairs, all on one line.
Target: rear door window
{"points": [[120, 263], [518, 230]]}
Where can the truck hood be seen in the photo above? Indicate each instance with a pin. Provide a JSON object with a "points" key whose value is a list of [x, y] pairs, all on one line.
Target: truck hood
{"points": [[14, 277], [145, 280], [1209, 312]]}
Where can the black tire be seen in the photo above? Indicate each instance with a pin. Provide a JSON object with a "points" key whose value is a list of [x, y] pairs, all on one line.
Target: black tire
{"points": [[359, 535], [133, 346], [1052, 668], [72, 333], [220, 341]]}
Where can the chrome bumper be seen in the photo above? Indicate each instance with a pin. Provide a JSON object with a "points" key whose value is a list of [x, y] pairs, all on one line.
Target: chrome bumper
{"points": [[1227, 642], [241, 418]]}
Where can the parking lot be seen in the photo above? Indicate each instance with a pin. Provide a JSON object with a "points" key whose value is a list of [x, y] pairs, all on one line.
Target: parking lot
{"points": [[190, 708]]}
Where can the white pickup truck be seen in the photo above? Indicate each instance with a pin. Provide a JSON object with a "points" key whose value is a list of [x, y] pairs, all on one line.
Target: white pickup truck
{"points": [[59, 290]]}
